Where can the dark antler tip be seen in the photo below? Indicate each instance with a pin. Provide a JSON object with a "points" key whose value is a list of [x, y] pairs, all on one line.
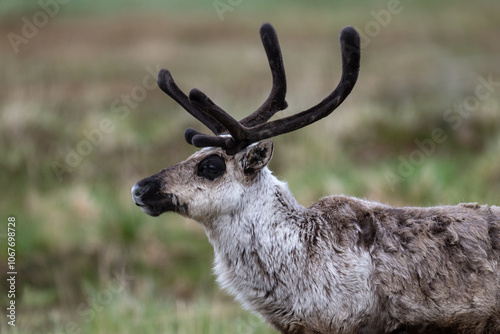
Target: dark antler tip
{"points": [[164, 73], [189, 134], [269, 38], [349, 36], [197, 95], [267, 28], [164, 77]]}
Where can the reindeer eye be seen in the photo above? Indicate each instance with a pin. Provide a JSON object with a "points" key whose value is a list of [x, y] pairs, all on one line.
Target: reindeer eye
{"points": [[212, 167]]}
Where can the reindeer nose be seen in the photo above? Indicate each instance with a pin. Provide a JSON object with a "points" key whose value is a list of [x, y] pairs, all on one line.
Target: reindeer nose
{"points": [[137, 191]]}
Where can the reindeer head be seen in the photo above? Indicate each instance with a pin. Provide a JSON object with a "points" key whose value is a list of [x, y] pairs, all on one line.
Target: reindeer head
{"points": [[210, 183], [213, 180]]}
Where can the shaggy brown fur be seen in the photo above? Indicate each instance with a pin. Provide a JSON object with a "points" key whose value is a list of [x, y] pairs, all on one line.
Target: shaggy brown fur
{"points": [[439, 263]]}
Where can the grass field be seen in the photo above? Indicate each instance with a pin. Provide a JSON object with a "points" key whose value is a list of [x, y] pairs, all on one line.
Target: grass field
{"points": [[81, 121]]}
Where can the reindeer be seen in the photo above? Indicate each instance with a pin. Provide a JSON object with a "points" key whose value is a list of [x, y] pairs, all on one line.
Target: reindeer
{"points": [[343, 265]]}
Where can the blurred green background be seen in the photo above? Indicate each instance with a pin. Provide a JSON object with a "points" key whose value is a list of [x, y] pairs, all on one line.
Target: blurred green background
{"points": [[81, 121]]}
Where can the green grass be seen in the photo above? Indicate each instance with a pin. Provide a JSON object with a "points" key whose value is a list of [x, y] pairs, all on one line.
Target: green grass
{"points": [[76, 230], [105, 311]]}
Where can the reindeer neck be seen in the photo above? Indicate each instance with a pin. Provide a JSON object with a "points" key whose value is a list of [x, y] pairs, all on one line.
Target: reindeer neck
{"points": [[253, 246], [267, 206]]}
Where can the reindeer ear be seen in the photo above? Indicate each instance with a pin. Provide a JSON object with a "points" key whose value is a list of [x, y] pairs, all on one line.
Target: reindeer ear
{"points": [[256, 157]]}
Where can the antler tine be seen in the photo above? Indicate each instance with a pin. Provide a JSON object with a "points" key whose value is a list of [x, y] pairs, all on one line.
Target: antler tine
{"points": [[168, 85], [276, 99], [349, 43], [198, 139]]}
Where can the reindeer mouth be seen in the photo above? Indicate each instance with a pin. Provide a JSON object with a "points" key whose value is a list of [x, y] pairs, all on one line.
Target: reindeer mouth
{"points": [[153, 203]]}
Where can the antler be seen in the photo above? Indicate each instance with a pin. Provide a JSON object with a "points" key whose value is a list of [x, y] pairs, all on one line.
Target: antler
{"points": [[254, 128], [168, 85], [276, 100]]}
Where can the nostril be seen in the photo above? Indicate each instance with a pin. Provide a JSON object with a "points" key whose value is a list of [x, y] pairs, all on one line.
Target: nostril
{"points": [[138, 191], [141, 190]]}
